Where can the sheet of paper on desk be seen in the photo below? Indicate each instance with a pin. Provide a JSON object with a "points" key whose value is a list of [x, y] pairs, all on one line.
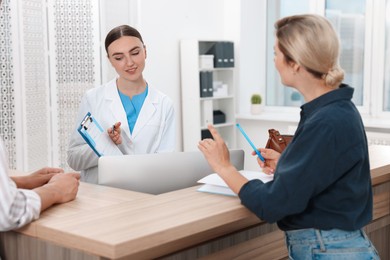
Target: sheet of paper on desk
{"points": [[214, 184]]}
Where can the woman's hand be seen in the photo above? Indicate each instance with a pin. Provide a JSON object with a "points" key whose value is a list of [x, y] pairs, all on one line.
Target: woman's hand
{"points": [[271, 160], [215, 151], [217, 155], [61, 188], [66, 185], [37, 178], [115, 133]]}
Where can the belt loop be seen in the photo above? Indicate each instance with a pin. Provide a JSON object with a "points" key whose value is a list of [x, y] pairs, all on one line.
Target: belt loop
{"points": [[320, 241]]}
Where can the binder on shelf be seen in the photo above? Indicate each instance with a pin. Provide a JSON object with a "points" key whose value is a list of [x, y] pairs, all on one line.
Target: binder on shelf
{"points": [[202, 84], [217, 51], [210, 89], [206, 83], [228, 50], [223, 54]]}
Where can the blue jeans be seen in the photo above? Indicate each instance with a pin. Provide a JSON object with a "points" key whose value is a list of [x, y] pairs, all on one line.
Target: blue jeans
{"points": [[329, 244]]}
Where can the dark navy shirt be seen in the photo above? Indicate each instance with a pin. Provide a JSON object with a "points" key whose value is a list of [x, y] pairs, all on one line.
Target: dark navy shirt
{"points": [[322, 179]]}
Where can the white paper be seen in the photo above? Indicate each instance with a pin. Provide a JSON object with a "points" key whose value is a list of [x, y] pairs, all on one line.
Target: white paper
{"points": [[96, 137], [217, 190], [215, 184]]}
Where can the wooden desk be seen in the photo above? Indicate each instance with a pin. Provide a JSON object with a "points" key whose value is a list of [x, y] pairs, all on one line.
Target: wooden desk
{"points": [[109, 223]]}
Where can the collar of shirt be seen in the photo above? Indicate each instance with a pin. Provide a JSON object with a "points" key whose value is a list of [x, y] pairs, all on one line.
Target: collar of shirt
{"points": [[344, 92]]}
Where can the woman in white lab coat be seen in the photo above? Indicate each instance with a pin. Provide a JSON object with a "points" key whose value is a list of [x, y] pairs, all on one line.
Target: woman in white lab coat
{"points": [[138, 118]]}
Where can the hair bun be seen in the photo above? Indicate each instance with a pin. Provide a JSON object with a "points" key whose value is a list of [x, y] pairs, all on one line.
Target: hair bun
{"points": [[334, 77]]}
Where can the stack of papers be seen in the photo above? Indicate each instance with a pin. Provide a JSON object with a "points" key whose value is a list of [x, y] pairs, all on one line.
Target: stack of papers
{"points": [[214, 184]]}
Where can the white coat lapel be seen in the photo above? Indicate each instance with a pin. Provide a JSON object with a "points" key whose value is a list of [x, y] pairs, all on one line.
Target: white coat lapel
{"points": [[147, 111], [116, 108]]}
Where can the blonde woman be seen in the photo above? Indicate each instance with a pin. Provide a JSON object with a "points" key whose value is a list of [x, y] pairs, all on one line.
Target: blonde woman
{"points": [[321, 193]]}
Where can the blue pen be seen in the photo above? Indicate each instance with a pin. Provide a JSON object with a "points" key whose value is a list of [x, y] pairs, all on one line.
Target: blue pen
{"points": [[250, 142]]}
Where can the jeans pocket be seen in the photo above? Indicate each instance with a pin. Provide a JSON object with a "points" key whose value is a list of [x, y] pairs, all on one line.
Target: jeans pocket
{"points": [[300, 252]]}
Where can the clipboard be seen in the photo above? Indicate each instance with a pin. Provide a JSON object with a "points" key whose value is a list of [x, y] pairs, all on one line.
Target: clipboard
{"points": [[95, 136]]}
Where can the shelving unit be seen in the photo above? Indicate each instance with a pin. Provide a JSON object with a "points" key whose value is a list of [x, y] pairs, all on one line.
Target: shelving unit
{"points": [[197, 111]]}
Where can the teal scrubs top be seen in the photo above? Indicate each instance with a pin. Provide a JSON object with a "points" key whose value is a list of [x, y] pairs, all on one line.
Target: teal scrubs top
{"points": [[133, 106]]}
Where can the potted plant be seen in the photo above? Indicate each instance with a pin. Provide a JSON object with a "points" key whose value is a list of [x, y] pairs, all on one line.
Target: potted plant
{"points": [[256, 104]]}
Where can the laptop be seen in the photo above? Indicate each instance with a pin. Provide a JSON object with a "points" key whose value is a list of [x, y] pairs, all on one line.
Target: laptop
{"points": [[159, 172]]}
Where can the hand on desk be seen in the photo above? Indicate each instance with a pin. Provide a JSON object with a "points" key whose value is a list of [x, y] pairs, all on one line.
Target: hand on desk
{"points": [[115, 133], [51, 184], [62, 187], [37, 178], [67, 183]]}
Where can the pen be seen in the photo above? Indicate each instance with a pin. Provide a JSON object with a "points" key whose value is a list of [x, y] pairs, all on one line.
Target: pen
{"points": [[250, 142], [113, 128]]}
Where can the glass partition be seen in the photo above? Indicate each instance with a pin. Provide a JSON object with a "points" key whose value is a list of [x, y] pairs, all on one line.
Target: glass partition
{"points": [[348, 18]]}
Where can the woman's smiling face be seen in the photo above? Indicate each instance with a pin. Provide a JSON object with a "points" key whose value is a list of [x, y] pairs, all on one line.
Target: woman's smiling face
{"points": [[127, 55]]}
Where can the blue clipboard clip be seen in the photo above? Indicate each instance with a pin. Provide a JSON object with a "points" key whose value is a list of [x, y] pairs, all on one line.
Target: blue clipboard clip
{"points": [[250, 142]]}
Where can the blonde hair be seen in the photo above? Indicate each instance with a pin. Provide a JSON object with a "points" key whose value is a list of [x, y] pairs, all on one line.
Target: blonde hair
{"points": [[311, 41]]}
